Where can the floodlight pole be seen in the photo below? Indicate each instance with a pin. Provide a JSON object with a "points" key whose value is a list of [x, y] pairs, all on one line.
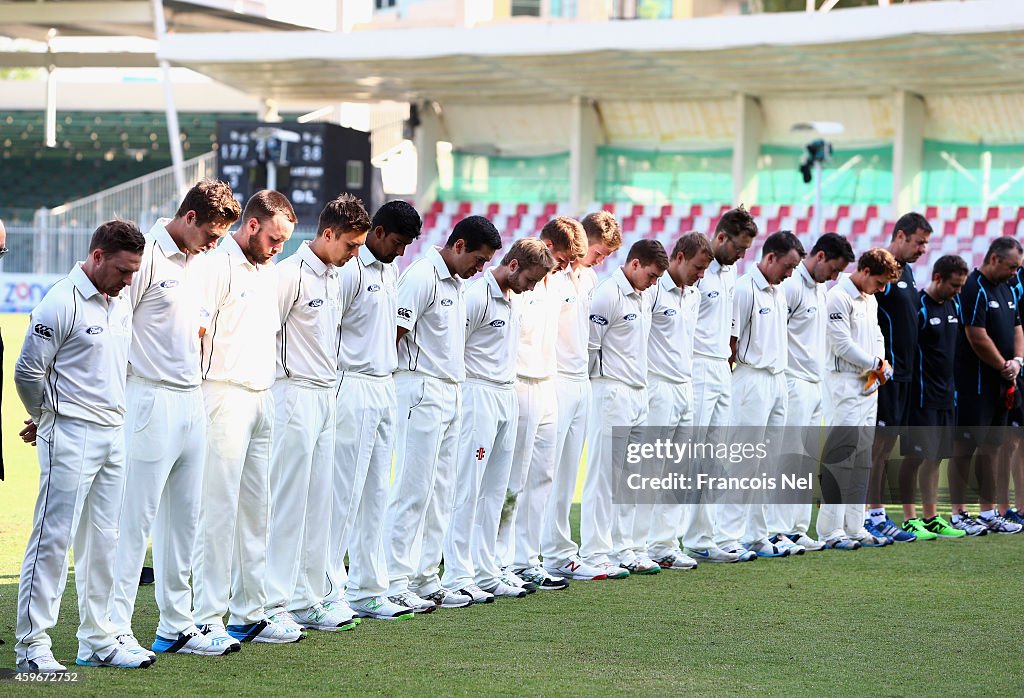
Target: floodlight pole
{"points": [[173, 129]]}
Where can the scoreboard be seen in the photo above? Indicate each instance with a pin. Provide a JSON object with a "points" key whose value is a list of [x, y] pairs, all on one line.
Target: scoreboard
{"points": [[309, 163]]}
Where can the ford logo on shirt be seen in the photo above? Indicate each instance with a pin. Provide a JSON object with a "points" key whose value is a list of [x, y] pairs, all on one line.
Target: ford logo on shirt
{"points": [[95, 329], [812, 310], [599, 319], [570, 299], [669, 312], [764, 311], [373, 288], [170, 283], [316, 302], [629, 318], [446, 302], [713, 294], [248, 292], [497, 323]]}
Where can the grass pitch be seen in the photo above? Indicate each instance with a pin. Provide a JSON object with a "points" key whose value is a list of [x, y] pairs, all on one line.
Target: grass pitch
{"points": [[879, 622]]}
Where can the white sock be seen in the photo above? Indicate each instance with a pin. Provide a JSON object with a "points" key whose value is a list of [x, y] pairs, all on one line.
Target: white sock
{"points": [[877, 516], [988, 514]]}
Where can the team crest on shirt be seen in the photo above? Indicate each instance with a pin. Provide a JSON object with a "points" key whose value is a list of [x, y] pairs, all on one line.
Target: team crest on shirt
{"points": [[497, 323], [446, 302], [764, 311], [373, 288], [629, 318], [95, 329], [669, 312], [316, 302], [599, 319], [170, 283]]}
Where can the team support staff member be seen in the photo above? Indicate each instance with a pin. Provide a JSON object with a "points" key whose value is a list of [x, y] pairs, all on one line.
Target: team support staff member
{"points": [[165, 424], [239, 321], [366, 404], [431, 369], [302, 461], [71, 378]]}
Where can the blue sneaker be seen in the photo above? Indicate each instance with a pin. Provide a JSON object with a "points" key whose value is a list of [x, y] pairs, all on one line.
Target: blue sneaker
{"points": [[877, 533], [765, 548], [890, 530], [1013, 516], [195, 642]]}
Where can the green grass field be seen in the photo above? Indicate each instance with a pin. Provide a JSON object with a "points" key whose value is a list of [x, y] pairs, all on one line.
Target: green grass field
{"points": [[925, 618]]}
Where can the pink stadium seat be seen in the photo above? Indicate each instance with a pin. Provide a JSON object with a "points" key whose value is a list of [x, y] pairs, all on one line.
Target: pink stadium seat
{"points": [[961, 212], [492, 210], [931, 213], [803, 226], [755, 210], [628, 224], [949, 228], [666, 210], [992, 213], [1010, 228], [430, 219], [610, 207], [686, 224], [658, 225], [979, 228], [522, 209], [637, 210], [843, 211], [859, 227], [437, 207], [871, 212], [831, 225], [464, 208], [696, 210], [550, 210], [785, 211]]}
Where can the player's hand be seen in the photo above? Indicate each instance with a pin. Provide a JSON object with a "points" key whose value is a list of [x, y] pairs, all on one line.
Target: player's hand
{"points": [[1010, 370], [871, 382], [28, 434], [885, 372]]}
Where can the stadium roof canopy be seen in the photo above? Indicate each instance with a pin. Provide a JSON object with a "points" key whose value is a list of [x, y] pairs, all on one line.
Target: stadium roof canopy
{"points": [[925, 48]]}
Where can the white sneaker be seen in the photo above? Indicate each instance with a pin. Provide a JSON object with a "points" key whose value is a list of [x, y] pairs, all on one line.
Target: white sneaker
{"points": [[411, 601], [638, 564], [574, 568], [676, 560], [541, 578], [765, 548], [444, 598], [712, 554], [475, 594], [807, 542], [195, 642], [612, 571], [869, 540], [998, 524], [382, 608], [285, 619], [786, 543], [265, 631], [510, 578], [217, 632], [506, 591], [129, 643], [119, 658], [43, 664], [330, 616]]}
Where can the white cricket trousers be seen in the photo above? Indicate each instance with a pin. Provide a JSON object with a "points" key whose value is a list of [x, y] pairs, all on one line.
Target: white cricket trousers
{"points": [[759, 408], [533, 467], [669, 405], [165, 441], [573, 394], [230, 562], [420, 500], [845, 406], [364, 439], [804, 413], [712, 412], [614, 404], [81, 483], [486, 443], [301, 480]]}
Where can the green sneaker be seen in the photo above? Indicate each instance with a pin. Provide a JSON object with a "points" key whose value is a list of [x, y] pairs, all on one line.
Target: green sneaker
{"points": [[917, 527], [941, 528]]}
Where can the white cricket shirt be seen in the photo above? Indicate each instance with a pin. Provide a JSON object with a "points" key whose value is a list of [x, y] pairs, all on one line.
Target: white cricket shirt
{"points": [[759, 323], [714, 320], [619, 327], [75, 353], [369, 305], [854, 338], [673, 320], [492, 330], [805, 299], [431, 307], [239, 311], [165, 326], [307, 296], [571, 290], [538, 330]]}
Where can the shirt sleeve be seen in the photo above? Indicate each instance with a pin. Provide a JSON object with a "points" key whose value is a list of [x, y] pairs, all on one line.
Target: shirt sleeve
{"points": [[348, 285], [288, 289], [142, 278], [840, 332], [975, 307], [602, 310], [742, 307], [791, 290], [476, 304], [49, 326], [415, 294], [213, 289]]}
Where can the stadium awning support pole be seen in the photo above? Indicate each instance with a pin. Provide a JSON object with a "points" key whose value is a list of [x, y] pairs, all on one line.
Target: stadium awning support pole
{"points": [[584, 134], [746, 149], [428, 133], [173, 130], [907, 150]]}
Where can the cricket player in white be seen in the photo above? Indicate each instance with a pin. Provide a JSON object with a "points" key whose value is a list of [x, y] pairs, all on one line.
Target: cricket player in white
{"points": [[854, 370], [165, 423], [805, 300], [571, 290], [619, 327], [534, 463], [674, 303], [239, 320], [490, 417], [71, 378], [302, 461], [431, 368], [365, 425], [712, 376], [759, 385]]}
